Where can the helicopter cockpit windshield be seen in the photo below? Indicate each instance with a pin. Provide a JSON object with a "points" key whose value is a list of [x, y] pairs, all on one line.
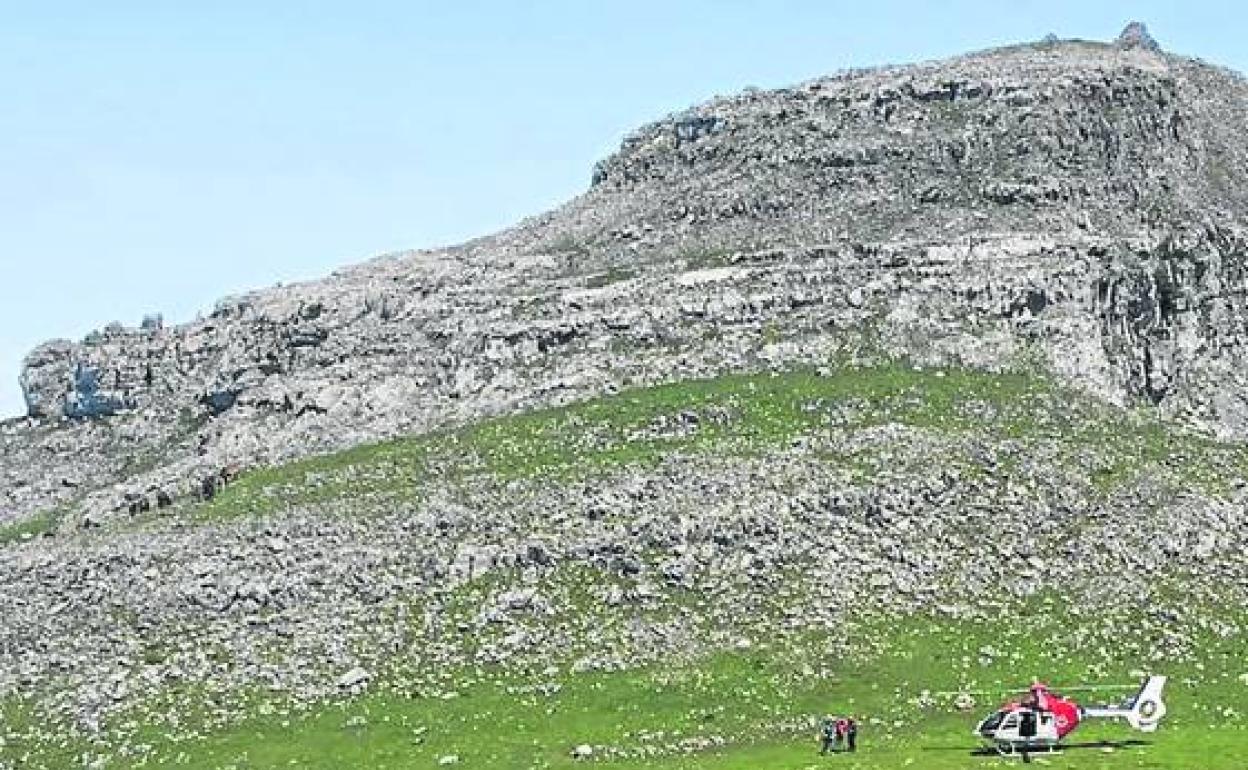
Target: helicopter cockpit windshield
{"points": [[988, 727]]}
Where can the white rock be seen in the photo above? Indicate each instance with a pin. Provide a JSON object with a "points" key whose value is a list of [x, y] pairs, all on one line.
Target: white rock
{"points": [[354, 679]]}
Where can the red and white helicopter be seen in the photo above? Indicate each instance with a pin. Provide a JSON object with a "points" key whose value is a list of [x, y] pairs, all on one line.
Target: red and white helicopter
{"points": [[1040, 719]]}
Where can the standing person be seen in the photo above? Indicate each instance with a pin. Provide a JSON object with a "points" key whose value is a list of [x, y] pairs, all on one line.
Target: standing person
{"points": [[851, 734], [827, 731], [842, 730]]}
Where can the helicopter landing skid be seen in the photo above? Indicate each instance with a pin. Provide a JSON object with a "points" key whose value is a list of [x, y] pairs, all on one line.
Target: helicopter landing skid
{"points": [[1010, 749]]}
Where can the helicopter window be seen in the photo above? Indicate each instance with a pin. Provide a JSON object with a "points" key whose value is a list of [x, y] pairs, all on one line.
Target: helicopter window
{"points": [[1010, 721], [993, 722]]}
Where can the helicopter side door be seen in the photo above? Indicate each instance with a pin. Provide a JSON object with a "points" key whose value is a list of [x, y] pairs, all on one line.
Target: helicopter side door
{"points": [[1027, 724]]}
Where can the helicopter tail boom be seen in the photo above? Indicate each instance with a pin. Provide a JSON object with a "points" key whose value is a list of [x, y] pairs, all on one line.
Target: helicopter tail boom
{"points": [[1143, 712]]}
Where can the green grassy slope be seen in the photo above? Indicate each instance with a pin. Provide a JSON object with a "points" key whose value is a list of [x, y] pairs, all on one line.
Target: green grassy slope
{"points": [[748, 705], [746, 414]]}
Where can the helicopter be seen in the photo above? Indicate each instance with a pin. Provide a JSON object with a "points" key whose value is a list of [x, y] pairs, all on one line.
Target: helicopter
{"points": [[1042, 718]]}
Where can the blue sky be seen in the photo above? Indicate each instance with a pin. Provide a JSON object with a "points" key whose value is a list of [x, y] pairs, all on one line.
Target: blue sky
{"points": [[157, 156]]}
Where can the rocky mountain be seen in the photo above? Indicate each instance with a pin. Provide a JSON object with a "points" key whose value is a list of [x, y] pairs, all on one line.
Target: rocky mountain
{"points": [[1072, 203], [1029, 262]]}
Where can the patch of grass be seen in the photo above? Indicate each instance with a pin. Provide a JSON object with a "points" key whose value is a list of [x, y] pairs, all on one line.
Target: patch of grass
{"points": [[707, 257], [609, 276], [564, 244], [24, 738], [28, 529]]}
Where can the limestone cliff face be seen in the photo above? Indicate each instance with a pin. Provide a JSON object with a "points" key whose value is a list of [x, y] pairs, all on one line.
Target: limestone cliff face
{"points": [[1073, 206]]}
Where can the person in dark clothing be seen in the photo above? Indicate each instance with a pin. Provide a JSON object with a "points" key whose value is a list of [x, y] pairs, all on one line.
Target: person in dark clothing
{"points": [[851, 734], [828, 732]]}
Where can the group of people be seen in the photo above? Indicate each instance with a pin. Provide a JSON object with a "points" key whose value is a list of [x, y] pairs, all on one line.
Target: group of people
{"points": [[838, 732]]}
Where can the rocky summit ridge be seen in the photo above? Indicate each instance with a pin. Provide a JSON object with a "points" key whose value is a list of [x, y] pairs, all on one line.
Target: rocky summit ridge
{"points": [[1074, 204]]}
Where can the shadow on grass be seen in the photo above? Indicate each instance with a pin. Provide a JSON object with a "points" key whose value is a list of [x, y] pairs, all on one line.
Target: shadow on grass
{"points": [[990, 751]]}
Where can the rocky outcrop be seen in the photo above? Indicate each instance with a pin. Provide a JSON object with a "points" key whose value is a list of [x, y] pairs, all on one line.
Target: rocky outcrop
{"points": [[1135, 35], [1065, 205]]}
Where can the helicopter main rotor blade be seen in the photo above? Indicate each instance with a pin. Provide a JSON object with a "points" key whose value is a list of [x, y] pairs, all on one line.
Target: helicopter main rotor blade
{"points": [[952, 693], [1020, 690]]}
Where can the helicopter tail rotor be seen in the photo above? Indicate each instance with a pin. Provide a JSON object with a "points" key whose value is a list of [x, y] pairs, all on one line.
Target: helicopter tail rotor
{"points": [[1148, 708]]}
